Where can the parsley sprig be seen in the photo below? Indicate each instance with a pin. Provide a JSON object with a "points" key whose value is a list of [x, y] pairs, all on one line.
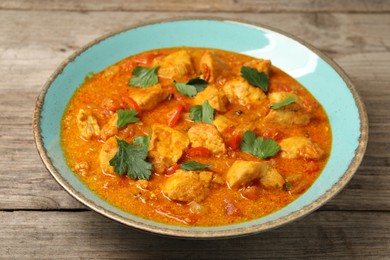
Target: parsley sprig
{"points": [[283, 103], [131, 158], [255, 78], [126, 116], [144, 77], [202, 113], [192, 87], [258, 146], [194, 166]]}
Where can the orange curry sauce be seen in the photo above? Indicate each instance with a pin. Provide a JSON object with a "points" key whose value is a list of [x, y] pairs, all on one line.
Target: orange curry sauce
{"points": [[299, 164]]}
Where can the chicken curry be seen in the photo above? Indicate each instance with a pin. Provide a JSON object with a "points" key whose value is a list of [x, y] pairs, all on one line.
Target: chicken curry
{"points": [[195, 136]]}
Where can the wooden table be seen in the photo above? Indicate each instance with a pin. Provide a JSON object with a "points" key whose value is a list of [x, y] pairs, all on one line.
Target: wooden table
{"points": [[38, 219]]}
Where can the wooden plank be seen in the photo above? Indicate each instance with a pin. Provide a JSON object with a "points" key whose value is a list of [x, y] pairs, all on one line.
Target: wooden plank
{"points": [[202, 5], [321, 235]]}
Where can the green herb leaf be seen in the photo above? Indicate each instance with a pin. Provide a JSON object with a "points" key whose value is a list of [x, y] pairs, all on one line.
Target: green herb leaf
{"points": [[131, 158], [255, 78], [144, 77], [196, 113], [194, 166], [192, 87], [203, 113], [258, 146], [283, 103], [126, 116], [248, 140], [287, 186], [207, 113]]}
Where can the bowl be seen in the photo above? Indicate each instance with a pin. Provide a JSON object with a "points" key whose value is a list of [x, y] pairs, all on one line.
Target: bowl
{"points": [[314, 70]]}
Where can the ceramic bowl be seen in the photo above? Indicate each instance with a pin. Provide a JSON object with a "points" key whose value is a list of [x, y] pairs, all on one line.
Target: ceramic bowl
{"points": [[318, 73]]}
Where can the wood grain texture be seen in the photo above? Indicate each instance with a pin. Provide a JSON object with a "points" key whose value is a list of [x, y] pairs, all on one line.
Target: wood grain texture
{"points": [[203, 5], [38, 219], [58, 235]]}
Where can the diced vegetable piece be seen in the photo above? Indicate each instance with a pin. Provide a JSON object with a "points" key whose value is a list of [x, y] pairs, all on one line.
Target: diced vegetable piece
{"points": [[174, 120], [198, 152], [234, 142]]}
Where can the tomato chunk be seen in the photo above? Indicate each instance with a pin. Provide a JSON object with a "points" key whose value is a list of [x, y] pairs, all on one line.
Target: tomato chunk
{"points": [[174, 120], [198, 152], [171, 170], [130, 103], [234, 142], [231, 209]]}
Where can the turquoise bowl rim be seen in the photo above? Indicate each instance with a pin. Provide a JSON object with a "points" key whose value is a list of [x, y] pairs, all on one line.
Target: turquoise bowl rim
{"points": [[201, 232]]}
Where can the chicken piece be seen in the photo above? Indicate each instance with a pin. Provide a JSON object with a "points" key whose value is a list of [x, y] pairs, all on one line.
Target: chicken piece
{"points": [[175, 65], [300, 147], [148, 98], [272, 179], [108, 151], [212, 67], [87, 124], [166, 147], [216, 97], [260, 64], [287, 116], [222, 122], [187, 186], [207, 136], [110, 128], [243, 172], [241, 92]]}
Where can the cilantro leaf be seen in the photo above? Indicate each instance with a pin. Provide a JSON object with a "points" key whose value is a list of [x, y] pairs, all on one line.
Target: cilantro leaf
{"points": [[192, 87], [144, 77], [255, 78], [258, 146], [196, 113], [194, 166], [248, 139], [287, 186], [130, 158], [202, 113], [126, 116], [283, 103]]}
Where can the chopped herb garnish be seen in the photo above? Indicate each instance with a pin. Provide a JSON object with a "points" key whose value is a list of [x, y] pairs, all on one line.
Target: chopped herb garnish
{"points": [[192, 87], [287, 186], [255, 78], [131, 158], [144, 77], [258, 146], [194, 166], [202, 113], [126, 116], [283, 103]]}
